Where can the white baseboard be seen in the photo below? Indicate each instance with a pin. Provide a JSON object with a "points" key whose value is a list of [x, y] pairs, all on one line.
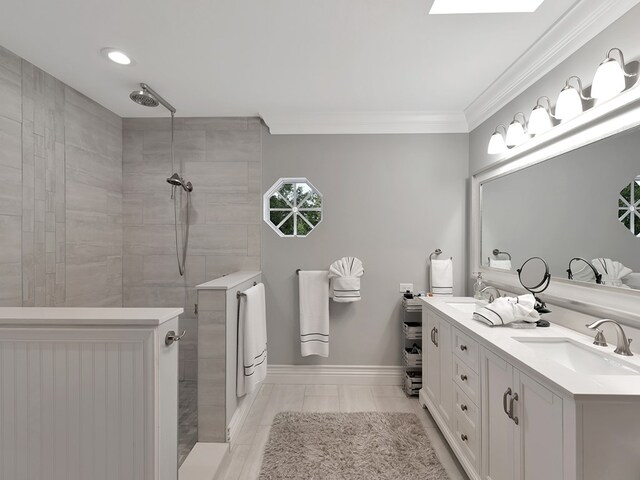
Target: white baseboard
{"points": [[334, 375], [238, 418]]}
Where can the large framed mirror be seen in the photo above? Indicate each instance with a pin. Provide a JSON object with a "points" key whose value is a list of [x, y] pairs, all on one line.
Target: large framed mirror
{"points": [[572, 197]]}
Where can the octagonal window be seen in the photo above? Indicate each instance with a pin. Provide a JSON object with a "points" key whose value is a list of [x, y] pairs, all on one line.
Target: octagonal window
{"points": [[293, 207], [629, 206]]}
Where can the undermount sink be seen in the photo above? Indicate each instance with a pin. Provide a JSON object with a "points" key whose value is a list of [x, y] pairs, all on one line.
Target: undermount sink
{"points": [[464, 307], [577, 357]]}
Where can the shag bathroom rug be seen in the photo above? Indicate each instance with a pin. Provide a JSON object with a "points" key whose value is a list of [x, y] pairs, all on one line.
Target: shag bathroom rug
{"points": [[349, 446]]}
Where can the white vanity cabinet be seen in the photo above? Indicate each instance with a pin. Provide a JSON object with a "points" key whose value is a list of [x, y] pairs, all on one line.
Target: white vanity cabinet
{"points": [[437, 363], [509, 413], [521, 423]]}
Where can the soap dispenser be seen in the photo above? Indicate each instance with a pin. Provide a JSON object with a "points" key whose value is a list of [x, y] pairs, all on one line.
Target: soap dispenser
{"points": [[478, 287]]}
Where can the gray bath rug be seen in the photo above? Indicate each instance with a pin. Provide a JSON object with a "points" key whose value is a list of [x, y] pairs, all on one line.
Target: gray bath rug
{"points": [[349, 446]]}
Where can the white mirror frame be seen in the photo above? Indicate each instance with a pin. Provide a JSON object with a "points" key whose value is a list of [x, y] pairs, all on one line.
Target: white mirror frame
{"points": [[601, 121]]}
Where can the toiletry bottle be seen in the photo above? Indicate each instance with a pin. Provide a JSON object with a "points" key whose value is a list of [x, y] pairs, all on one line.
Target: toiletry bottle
{"points": [[478, 287]]}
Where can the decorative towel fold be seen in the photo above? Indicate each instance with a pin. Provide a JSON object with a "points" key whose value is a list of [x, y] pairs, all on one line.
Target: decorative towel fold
{"points": [[501, 264], [442, 277], [612, 271], [344, 278], [506, 310], [252, 340], [314, 312]]}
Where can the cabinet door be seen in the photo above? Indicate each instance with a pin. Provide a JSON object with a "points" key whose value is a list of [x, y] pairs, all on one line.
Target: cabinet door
{"points": [[431, 355], [539, 431], [497, 427], [446, 371]]}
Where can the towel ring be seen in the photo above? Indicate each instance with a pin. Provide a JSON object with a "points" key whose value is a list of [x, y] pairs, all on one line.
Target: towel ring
{"points": [[437, 252]]}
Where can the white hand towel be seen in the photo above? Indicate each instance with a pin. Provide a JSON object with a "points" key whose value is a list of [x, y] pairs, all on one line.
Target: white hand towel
{"points": [[501, 264], [612, 271], [442, 277], [506, 310], [344, 277], [314, 312], [252, 340]]}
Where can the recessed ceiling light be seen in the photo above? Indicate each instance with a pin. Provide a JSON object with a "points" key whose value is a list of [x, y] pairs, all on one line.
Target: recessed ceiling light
{"points": [[442, 7], [117, 56]]}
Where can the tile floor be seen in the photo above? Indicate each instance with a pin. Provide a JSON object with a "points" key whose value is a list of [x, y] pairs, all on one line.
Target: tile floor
{"points": [[246, 453]]}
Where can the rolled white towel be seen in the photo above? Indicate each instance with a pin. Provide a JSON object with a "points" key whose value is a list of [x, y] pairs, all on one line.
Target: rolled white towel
{"points": [[344, 277], [505, 310], [442, 277]]}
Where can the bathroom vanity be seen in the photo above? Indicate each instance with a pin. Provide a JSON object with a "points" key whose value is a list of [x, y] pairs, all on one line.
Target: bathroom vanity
{"points": [[89, 393], [533, 404]]}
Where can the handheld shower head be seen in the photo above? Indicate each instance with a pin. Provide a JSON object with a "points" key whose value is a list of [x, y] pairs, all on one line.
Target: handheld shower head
{"points": [[176, 181]]}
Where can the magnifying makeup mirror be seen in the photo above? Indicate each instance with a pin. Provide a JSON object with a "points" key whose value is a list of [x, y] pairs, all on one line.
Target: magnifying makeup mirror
{"points": [[534, 276], [582, 270]]}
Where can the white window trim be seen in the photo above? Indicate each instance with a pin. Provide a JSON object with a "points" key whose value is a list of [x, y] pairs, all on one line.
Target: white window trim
{"points": [[266, 214]]}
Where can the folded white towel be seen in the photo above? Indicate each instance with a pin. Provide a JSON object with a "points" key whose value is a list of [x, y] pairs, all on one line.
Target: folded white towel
{"points": [[501, 264], [252, 340], [505, 310], [344, 277], [442, 277], [314, 312], [612, 271]]}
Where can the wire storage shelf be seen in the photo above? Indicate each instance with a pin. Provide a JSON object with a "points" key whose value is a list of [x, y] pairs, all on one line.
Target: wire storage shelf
{"points": [[412, 345]]}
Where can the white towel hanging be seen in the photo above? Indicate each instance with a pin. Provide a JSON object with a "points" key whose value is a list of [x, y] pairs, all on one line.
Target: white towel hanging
{"points": [[252, 340], [442, 277], [314, 312]]}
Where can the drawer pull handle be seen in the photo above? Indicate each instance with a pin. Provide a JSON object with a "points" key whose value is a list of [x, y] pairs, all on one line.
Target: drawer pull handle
{"points": [[463, 348], [464, 437], [504, 402], [463, 378], [463, 407], [511, 415]]}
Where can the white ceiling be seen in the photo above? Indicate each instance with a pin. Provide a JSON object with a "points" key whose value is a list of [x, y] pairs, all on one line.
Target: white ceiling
{"points": [[244, 57]]}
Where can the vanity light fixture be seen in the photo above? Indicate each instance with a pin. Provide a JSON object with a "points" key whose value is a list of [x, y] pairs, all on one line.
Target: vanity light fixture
{"points": [[610, 77], [540, 118], [496, 142], [517, 131], [116, 56], [569, 104]]}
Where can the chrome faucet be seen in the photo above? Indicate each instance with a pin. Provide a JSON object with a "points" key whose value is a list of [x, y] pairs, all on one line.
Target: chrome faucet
{"points": [[622, 346], [490, 296]]}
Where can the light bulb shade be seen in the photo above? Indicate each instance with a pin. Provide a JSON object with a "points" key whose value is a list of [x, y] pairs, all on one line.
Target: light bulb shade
{"points": [[539, 121], [569, 104], [608, 81], [515, 134], [496, 144]]}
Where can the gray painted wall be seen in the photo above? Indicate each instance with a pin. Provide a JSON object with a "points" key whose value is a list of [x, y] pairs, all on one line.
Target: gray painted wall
{"points": [[223, 159], [584, 63], [61, 201], [389, 200]]}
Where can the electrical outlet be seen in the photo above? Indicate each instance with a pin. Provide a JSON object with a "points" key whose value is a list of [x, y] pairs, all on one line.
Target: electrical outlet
{"points": [[406, 286]]}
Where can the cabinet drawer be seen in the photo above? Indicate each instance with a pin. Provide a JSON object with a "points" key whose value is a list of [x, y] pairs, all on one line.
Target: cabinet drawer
{"points": [[464, 405], [466, 349], [467, 437], [466, 379]]}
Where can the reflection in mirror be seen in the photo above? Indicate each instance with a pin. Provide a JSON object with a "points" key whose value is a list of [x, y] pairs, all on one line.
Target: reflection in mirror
{"points": [[583, 271], [584, 203], [500, 263]]}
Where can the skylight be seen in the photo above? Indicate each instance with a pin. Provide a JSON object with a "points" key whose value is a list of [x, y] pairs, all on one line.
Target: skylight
{"points": [[443, 7]]}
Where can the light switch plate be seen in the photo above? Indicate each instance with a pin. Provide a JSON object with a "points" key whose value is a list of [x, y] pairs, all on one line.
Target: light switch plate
{"points": [[406, 286]]}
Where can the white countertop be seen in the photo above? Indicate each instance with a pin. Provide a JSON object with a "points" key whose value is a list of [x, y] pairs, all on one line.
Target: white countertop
{"points": [[502, 341], [228, 281], [63, 316]]}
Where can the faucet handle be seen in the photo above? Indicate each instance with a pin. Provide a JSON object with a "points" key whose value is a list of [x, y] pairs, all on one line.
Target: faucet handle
{"points": [[599, 340]]}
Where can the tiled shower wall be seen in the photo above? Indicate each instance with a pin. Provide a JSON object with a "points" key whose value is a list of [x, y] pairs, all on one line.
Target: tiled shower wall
{"points": [[61, 196], [223, 159]]}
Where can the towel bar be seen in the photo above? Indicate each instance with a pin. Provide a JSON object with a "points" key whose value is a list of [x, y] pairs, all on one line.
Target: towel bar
{"points": [[242, 294]]}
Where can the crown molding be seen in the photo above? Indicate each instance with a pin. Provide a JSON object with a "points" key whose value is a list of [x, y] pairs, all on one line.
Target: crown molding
{"points": [[575, 28], [365, 123]]}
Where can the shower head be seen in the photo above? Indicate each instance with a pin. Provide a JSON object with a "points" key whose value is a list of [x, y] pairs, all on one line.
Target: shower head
{"points": [[148, 97], [176, 181], [144, 98]]}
